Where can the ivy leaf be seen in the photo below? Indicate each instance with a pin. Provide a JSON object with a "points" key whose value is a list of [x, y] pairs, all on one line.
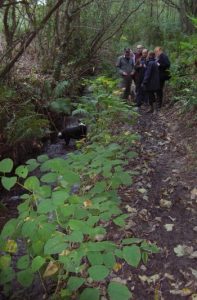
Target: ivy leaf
{"points": [[42, 158], [118, 291], [8, 182], [98, 272], [90, 293], [74, 283], [49, 178], [132, 255], [6, 165]]}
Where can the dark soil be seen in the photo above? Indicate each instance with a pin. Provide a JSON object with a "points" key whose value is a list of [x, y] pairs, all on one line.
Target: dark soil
{"points": [[167, 171]]}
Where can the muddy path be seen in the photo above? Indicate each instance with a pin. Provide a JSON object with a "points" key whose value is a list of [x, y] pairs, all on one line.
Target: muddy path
{"points": [[163, 206]]}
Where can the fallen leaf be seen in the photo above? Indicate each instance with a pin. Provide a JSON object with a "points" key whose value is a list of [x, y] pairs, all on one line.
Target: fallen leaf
{"points": [[184, 292], [117, 267], [150, 279], [169, 276], [119, 280], [165, 203], [11, 246], [194, 194], [169, 227], [194, 272], [51, 269], [182, 250], [87, 203], [131, 209], [142, 191], [194, 297], [195, 228], [193, 255]]}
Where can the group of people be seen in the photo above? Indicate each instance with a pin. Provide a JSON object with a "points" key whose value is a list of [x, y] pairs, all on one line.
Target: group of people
{"points": [[148, 70]]}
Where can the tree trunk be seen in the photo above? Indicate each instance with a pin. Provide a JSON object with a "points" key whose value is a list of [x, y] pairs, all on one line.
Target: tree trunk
{"points": [[27, 41]]}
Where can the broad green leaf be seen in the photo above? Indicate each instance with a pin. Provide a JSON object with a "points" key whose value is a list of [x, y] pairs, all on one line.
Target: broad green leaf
{"points": [[46, 206], [49, 178], [59, 197], [71, 177], [99, 187], [23, 262], [42, 158], [90, 294], [98, 272], [32, 183], [152, 248], [25, 277], [5, 262], [132, 255], [109, 259], [118, 253], [76, 237], [32, 164], [131, 241], [118, 291], [126, 178], [8, 182], [95, 258], [6, 165], [74, 283], [79, 226], [120, 220], [22, 171], [44, 191], [7, 275], [29, 228], [37, 263], [55, 245], [9, 228], [145, 257], [100, 246]]}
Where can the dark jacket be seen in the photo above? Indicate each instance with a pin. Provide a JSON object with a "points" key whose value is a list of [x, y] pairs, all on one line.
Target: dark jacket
{"points": [[125, 65], [140, 68], [151, 80], [164, 66]]}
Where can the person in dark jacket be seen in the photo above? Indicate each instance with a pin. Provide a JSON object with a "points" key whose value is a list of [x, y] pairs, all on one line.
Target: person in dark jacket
{"points": [[163, 63], [125, 66], [151, 80], [140, 68]]}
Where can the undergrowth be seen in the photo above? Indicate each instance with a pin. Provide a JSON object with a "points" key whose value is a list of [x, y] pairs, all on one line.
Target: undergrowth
{"points": [[66, 210]]}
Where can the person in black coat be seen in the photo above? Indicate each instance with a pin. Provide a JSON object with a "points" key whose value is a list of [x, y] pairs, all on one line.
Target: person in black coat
{"points": [[140, 68], [163, 63], [151, 81]]}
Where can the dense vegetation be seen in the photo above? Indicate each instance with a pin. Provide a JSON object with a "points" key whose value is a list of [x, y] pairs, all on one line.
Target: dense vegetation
{"points": [[48, 51]]}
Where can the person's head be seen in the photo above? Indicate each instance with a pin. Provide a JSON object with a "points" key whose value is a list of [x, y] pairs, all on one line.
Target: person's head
{"points": [[158, 50], [151, 54], [139, 48], [127, 52], [144, 53]]}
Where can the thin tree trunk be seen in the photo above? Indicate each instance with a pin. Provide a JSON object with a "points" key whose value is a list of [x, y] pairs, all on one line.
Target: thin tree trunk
{"points": [[27, 42]]}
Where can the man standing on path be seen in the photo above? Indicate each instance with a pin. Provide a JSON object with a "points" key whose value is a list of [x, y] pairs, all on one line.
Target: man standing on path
{"points": [[125, 66], [163, 63], [150, 82]]}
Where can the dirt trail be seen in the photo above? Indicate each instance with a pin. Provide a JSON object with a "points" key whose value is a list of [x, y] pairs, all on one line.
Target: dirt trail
{"points": [[164, 196]]}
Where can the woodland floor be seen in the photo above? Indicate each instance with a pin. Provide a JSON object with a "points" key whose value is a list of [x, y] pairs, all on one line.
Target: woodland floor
{"points": [[163, 206], [162, 203]]}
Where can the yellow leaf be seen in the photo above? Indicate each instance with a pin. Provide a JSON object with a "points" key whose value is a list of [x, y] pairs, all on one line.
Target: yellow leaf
{"points": [[87, 203], [117, 267], [11, 246], [51, 269], [127, 133], [65, 253]]}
